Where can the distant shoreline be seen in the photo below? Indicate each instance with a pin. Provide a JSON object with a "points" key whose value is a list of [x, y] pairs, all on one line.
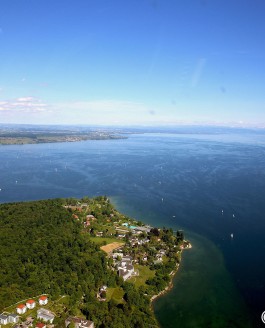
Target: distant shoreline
{"points": [[40, 139]]}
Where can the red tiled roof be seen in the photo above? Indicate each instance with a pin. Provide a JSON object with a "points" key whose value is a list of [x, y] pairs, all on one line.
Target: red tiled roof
{"points": [[30, 301], [43, 298], [21, 306], [40, 325]]}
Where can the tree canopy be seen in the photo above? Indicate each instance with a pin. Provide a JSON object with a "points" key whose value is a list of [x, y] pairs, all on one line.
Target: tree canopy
{"points": [[43, 250]]}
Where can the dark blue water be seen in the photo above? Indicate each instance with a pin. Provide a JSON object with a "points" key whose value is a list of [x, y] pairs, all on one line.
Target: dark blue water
{"points": [[183, 181]]}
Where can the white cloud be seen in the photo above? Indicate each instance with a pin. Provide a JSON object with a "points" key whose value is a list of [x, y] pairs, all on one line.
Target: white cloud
{"points": [[24, 105], [23, 99]]}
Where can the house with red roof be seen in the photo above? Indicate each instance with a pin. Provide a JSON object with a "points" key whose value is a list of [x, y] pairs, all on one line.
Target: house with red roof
{"points": [[40, 325], [30, 304], [21, 308], [43, 300]]}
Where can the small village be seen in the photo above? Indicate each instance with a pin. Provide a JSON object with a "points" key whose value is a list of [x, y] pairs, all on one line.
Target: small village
{"points": [[141, 254], [33, 313], [134, 249]]}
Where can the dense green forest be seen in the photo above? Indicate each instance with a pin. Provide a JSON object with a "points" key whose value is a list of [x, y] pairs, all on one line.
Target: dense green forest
{"points": [[43, 250]]}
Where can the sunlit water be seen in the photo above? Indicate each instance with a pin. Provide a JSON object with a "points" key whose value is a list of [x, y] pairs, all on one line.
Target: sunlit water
{"points": [[212, 186]]}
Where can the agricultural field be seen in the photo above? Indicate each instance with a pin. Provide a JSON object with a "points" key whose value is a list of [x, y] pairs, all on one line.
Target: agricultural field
{"points": [[111, 247]]}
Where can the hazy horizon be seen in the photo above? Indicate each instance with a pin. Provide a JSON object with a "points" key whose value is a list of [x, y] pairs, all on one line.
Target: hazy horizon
{"points": [[166, 127]]}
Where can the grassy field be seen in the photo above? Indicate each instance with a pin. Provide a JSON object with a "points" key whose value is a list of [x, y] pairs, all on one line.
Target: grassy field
{"points": [[144, 274], [59, 305], [102, 240], [116, 294]]}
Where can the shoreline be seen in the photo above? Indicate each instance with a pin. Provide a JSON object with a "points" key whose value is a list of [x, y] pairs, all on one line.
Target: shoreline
{"points": [[172, 275]]}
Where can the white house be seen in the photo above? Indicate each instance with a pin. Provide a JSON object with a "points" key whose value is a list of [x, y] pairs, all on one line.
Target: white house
{"points": [[45, 315], [43, 300], [3, 319], [30, 304], [124, 274], [21, 308], [103, 288], [125, 268], [116, 255], [13, 318]]}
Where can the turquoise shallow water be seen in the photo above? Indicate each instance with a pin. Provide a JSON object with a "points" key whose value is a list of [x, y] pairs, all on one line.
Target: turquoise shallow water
{"points": [[203, 293], [170, 180]]}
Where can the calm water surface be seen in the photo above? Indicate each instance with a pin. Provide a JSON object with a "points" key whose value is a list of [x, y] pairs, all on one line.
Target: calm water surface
{"points": [[211, 186]]}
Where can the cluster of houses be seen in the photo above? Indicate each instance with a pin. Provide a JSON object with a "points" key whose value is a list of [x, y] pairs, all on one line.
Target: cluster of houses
{"points": [[78, 207], [45, 316], [88, 220], [125, 268], [10, 318], [136, 230], [138, 238], [30, 304], [124, 265], [42, 314]]}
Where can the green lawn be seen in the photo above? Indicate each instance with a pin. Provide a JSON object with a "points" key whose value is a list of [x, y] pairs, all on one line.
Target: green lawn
{"points": [[101, 240], [9, 325], [115, 294], [59, 305], [144, 274]]}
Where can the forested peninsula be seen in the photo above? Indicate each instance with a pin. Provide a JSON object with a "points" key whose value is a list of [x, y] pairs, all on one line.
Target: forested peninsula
{"points": [[90, 261]]}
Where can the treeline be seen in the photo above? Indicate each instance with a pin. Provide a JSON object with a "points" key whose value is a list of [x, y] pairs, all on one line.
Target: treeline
{"points": [[43, 250]]}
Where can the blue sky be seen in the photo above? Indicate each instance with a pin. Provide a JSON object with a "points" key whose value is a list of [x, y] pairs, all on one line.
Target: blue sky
{"points": [[132, 62]]}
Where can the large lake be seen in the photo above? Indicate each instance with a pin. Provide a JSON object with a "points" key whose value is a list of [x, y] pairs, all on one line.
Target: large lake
{"points": [[211, 186]]}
